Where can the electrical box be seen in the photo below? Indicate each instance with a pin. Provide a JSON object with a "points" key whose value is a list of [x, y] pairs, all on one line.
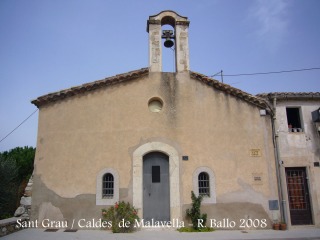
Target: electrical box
{"points": [[316, 115], [273, 205]]}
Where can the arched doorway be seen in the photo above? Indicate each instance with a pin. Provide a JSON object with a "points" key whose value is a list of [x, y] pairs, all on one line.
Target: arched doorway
{"points": [[174, 176], [156, 187]]}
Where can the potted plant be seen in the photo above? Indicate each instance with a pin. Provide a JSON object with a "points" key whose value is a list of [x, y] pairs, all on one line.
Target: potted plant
{"points": [[283, 226], [276, 226]]}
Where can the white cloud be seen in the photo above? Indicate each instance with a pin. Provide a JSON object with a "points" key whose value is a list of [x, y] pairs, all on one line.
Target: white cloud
{"points": [[271, 17]]}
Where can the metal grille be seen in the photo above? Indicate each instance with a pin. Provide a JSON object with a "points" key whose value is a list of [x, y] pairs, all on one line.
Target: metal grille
{"points": [[297, 190], [204, 185], [108, 186]]}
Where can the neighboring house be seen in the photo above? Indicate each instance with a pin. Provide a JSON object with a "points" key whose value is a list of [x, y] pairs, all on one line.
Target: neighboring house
{"points": [[297, 127], [150, 138]]}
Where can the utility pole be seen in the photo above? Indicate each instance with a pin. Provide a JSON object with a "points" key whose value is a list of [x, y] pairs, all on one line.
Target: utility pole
{"points": [[222, 76]]}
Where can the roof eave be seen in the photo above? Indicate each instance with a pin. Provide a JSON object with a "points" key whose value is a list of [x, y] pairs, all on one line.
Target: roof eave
{"points": [[254, 100], [284, 96], [66, 93]]}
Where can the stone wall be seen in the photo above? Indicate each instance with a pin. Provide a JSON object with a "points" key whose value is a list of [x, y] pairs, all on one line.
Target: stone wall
{"points": [[24, 209], [9, 225]]}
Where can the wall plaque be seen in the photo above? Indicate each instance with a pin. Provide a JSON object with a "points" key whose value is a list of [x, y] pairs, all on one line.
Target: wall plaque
{"points": [[255, 152], [257, 178]]}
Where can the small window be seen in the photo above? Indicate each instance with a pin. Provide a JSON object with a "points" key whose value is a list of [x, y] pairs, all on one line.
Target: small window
{"points": [[204, 184], [294, 119], [155, 174], [155, 105], [108, 186]]}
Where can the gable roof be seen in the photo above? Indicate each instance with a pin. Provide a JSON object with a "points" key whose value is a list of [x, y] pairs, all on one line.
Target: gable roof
{"points": [[63, 94], [255, 100], [57, 96]]}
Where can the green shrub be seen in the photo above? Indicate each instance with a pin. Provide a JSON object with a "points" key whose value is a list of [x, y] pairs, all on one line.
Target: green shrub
{"points": [[9, 186], [191, 229], [194, 213], [16, 167], [122, 215]]}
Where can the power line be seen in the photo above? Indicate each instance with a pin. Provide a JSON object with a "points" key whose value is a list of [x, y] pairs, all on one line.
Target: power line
{"points": [[265, 73], [19, 125]]}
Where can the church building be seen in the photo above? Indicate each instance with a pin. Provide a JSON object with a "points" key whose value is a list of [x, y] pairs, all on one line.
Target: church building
{"points": [[150, 137]]}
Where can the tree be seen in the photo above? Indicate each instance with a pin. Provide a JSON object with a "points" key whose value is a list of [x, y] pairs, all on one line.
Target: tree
{"points": [[16, 167], [9, 185], [24, 157]]}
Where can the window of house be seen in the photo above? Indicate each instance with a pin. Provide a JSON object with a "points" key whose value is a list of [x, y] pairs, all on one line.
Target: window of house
{"points": [[108, 186], [294, 119], [155, 174], [204, 184]]}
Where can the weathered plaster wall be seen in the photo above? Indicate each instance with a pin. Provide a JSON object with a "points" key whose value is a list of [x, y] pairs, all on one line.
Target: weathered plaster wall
{"points": [[301, 149], [81, 135], [49, 205], [245, 216]]}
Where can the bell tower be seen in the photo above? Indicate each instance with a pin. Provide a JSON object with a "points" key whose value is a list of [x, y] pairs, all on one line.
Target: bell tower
{"points": [[178, 39]]}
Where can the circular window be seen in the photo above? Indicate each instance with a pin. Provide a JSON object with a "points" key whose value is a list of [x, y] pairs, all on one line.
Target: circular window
{"points": [[155, 104]]}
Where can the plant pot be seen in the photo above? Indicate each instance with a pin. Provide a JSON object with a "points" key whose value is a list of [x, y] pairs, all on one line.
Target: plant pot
{"points": [[276, 226], [283, 226]]}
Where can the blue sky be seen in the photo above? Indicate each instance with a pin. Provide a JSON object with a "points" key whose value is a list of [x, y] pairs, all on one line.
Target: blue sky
{"points": [[46, 46]]}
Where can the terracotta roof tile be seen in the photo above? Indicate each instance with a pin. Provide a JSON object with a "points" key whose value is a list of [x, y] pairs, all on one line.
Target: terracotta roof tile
{"points": [[290, 95], [255, 100], [63, 94], [53, 97]]}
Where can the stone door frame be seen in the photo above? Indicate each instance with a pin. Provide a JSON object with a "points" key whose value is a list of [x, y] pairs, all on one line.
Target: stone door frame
{"points": [[174, 172]]}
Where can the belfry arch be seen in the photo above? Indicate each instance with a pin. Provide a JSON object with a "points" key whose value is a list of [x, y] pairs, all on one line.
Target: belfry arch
{"points": [[180, 25]]}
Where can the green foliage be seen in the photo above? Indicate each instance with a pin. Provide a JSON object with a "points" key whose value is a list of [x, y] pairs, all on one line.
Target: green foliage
{"points": [[24, 157], [121, 213], [195, 214], [191, 229], [9, 185], [5, 216], [16, 167]]}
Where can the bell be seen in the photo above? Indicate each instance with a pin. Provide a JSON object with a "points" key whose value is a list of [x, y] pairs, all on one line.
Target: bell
{"points": [[168, 35], [168, 43]]}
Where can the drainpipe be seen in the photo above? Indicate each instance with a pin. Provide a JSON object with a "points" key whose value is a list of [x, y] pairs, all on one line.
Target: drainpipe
{"points": [[283, 208]]}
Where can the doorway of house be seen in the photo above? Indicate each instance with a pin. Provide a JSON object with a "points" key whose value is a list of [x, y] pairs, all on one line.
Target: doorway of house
{"points": [[156, 187], [298, 196]]}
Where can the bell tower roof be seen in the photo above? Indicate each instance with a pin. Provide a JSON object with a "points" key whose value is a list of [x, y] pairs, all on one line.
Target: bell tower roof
{"points": [[167, 17]]}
